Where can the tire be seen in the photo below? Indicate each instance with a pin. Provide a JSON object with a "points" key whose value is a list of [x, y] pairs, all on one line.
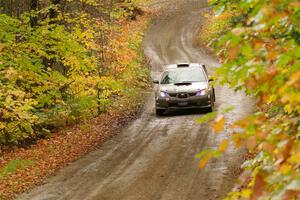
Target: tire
{"points": [[214, 95], [210, 109], [160, 112], [212, 105]]}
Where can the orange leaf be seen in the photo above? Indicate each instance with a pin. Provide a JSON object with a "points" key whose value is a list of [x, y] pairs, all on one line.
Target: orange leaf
{"points": [[219, 124], [203, 162], [241, 123], [268, 147], [224, 145], [251, 142], [258, 44], [258, 186], [272, 55], [251, 83], [261, 135], [233, 53], [289, 195], [237, 140], [295, 79], [296, 4]]}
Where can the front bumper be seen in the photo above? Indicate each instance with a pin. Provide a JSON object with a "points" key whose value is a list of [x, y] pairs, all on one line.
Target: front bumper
{"points": [[183, 103]]}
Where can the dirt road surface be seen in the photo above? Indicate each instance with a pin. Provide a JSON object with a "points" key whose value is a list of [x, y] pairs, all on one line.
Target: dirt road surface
{"points": [[154, 158]]}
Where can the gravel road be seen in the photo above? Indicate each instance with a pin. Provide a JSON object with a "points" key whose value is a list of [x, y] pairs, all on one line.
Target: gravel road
{"points": [[154, 158]]}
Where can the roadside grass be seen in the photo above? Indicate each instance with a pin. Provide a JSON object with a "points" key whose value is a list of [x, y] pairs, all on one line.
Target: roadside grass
{"points": [[13, 166]]}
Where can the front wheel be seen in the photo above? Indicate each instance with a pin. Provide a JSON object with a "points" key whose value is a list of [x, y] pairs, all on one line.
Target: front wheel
{"points": [[160, 112], [212, 105], [210, 109], [214, 95]]}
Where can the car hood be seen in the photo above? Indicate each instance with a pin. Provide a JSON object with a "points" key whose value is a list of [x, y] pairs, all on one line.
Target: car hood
{"points": [[193, 87]]}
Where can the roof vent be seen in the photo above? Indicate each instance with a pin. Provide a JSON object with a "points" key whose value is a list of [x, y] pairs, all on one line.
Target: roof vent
{"points": [[183, 65]]}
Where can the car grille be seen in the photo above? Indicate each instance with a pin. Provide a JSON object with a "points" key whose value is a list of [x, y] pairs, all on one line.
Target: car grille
{"points": [[182, 95]]}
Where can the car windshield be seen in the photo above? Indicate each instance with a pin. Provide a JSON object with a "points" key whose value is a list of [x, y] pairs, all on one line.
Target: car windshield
{"points": [[183, 75]]}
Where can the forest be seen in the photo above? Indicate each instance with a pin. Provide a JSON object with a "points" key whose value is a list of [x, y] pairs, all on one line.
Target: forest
{"points": [[62, 61], [66, 61]]}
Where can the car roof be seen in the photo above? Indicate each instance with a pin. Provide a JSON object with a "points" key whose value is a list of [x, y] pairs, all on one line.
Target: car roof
{"points": [[182, 65], [186, 65]]}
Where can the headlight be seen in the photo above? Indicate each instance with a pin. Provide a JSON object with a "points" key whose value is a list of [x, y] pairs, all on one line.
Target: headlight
{"points": [[201, 93], [164, 94]]}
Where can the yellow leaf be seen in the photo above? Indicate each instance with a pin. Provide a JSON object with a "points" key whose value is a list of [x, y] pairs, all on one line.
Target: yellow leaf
{"points": [[2, 126], [246, 193], [224, 145], [206, 15], [203, 162], [219, 124], [295, 158], [288, 108], [1, 46], [285, 168]]}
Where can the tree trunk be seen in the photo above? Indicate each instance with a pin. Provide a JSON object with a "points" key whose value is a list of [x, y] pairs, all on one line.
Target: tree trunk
{"points": [[54, 12], [34, 18]]}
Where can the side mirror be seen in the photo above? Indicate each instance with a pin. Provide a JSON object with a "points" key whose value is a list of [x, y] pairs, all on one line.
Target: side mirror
{"points": [[155, 81], [210, 79]]}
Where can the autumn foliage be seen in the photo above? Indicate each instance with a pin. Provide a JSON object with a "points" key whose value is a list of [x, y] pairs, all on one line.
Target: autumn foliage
{"points": [[64, 61], [261, 55], [54, 76]]}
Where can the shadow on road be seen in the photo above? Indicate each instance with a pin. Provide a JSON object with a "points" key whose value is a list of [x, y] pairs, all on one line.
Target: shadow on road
{"points": [[183, 112]]}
